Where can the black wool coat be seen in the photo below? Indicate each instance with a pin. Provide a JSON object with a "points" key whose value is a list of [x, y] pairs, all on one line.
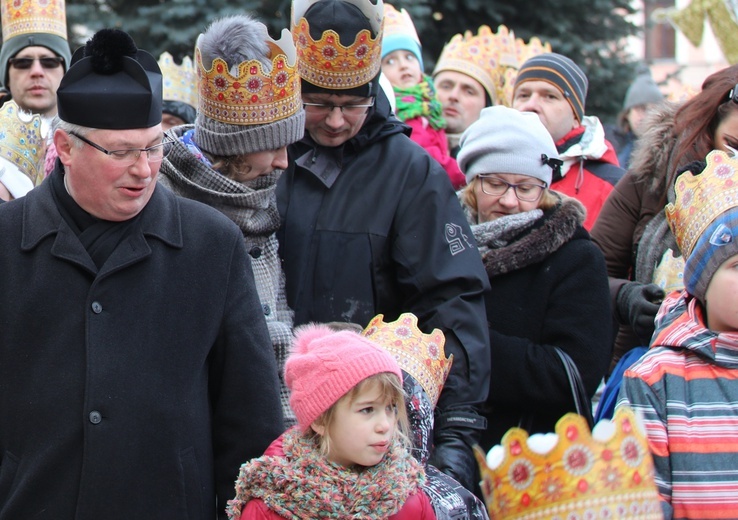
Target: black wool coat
{"points": [[134, 391]]}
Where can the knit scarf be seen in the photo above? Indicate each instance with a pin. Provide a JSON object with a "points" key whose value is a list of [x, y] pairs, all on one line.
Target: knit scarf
{"points": [[304, 484], [420, 101]]}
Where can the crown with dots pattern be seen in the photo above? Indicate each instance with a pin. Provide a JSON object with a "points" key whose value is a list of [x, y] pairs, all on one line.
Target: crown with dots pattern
{"points": [[21, 141]]}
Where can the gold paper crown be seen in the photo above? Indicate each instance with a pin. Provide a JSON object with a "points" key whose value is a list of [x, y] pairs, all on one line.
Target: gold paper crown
{"points": [[21, 140], [180, 81], [326, 63], [581, 477], [398, 23], [420, 355], [253, 97], [33, 16], [493, 59], [701, 199]]}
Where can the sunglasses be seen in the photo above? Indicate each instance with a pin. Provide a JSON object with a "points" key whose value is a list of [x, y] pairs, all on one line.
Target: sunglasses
{"points": [[48, 62]]}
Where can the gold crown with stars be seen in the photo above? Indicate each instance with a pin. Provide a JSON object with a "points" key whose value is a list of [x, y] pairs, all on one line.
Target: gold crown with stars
{"points": [[581, 476], [420, 355], [21, 141], [180, 81]]}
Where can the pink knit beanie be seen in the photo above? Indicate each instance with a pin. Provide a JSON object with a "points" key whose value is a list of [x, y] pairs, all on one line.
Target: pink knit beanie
{"points": [[324, 365]]}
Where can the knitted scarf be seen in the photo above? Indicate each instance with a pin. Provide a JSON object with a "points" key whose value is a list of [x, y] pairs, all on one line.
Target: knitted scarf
{"points": [[420, 101], [304, 484]]}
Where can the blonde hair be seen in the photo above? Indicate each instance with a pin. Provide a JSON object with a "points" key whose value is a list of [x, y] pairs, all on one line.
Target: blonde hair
{"points": [[390, 388], [547, 201]]}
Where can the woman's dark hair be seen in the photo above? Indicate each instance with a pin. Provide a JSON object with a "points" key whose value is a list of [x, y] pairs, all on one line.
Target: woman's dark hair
{"points": [[697, 120]]}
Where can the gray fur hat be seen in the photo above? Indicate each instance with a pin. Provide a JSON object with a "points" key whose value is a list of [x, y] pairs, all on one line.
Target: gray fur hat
{"points": [[235, 40], [505, 140]]}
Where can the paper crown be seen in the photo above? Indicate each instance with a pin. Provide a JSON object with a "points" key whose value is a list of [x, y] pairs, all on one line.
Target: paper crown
{"points": [[21, 140], [398, 23], [326, 63], [33, 16], [493, 59], [253, 97], [420, 355], [180, 81], [580, 477], [700, 199]]}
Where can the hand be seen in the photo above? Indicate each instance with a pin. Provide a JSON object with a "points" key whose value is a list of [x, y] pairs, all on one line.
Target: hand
{"points": [[637, 305], [454, 434]]}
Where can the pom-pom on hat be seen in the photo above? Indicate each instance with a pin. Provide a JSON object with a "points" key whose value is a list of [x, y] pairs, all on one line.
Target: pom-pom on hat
{"points": [[561, 72], [111, 84], [325, 365], [505, 140]]}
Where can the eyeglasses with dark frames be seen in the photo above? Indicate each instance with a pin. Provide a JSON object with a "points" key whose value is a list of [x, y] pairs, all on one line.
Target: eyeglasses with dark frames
{"points": [[47, 62], [525, 191], [326, 108], [154, 153]]}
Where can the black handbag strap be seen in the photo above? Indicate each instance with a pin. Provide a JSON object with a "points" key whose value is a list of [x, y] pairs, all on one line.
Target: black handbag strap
{"points": [[581, 399]]}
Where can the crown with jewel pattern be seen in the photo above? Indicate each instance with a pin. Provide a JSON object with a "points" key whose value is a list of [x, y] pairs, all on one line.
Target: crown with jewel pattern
{"points": [[420, 355], [179, 81], [326, 63], [253, 96], [700, 199], [493, 59], [398, 22], [581, 476], [33, 16], [21, 140]]}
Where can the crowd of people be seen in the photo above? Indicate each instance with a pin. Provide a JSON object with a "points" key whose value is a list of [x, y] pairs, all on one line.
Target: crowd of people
{"points": [[302, 278]]}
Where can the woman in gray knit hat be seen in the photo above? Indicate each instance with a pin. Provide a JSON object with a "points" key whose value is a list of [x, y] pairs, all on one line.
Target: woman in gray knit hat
{"points": [[548, 283], [249, 110]]}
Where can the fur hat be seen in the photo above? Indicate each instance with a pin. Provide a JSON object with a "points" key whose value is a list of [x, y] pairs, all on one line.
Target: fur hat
{"points": [[111, 84], [228, 128], [643, 91], [505, 140], [325, 365], [562, 73]]}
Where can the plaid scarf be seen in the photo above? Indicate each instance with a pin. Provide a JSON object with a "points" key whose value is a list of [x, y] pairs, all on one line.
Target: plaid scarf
{"points": [[304, 484], [420, 101]]}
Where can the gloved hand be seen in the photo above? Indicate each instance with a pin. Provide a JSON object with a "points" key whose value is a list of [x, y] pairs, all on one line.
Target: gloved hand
{"points": [[637, 304], [454, 434]]}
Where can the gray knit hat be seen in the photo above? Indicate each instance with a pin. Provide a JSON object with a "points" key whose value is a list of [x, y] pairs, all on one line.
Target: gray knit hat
{"points": [[505, 140], [562, 73], [250, 106], [643, 91]]}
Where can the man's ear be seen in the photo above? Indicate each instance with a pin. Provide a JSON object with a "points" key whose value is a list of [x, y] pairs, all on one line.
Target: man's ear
{"points": [[63, 143]]}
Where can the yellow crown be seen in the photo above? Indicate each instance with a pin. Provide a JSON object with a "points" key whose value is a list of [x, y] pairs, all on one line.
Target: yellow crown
{"points": [[580, 477], [493, 59], [398, 23], [180, 81], [326, 63], [253, 96], [33, 16], [701, 199], [420, 355], [21, 140]]}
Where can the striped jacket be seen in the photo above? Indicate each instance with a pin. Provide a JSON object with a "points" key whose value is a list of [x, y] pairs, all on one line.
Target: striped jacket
{"points": [[686, 389]]}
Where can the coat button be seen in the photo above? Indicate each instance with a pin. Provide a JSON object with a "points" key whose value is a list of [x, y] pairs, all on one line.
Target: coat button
{"points": [[95, 417], [267, 310], [96, 307], [255, 252]]}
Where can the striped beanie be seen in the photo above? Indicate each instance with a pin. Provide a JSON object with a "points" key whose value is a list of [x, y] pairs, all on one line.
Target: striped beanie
{"points": [[561, 72]]}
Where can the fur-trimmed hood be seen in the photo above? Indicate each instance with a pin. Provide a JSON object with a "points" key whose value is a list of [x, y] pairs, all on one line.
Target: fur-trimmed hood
{"points": [[653, 152]]}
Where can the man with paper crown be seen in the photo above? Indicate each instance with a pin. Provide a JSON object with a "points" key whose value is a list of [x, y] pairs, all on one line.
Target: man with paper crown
{"points": [[370, 222], [685, 384], [35, 53], [146, 376]]}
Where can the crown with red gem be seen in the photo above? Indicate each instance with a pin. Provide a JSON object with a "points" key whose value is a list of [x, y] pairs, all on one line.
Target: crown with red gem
{"points": [[326, 63], [180, 81], [420, 355], [605, 474], [33, 16], [21, 141], [252, 96]]}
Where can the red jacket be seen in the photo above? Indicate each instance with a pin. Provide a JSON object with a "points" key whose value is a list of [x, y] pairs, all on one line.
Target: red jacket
{"points": [[436, 144], [417, 507]]}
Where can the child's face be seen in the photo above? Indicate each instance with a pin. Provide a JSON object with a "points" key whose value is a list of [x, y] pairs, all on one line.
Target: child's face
{"points": [[362, 429], [721, 298], [402, 69]]}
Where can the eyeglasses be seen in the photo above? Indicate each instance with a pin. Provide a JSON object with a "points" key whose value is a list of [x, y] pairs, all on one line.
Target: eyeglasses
{"points": [[128, 157], [324, 109], [526, 192], [47, 62]]}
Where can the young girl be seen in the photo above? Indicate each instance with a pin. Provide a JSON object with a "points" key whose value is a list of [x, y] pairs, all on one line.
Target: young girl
{"points": [[348, 455]]}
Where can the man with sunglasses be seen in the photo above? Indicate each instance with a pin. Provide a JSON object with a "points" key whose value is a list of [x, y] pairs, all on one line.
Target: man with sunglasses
{"points": [[370, 221], [136, 369]]}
